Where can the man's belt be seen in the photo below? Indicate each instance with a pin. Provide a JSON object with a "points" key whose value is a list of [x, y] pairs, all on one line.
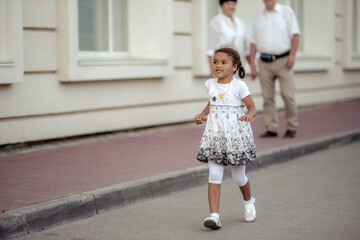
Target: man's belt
{"points": [[272, 57]]}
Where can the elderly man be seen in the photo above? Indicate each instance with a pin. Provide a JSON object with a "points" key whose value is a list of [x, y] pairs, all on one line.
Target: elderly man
{"points": [[275, 34]]}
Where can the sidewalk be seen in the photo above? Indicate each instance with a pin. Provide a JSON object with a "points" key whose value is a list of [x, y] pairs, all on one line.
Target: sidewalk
{"points": [[35, 177]]}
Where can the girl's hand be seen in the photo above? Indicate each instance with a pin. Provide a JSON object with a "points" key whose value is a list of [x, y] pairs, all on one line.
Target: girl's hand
{"points": [[246, 118], [199, 119]]}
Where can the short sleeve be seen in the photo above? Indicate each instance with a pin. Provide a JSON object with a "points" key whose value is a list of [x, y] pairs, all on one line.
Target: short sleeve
{"points": [[293, 23], [242, 89]]}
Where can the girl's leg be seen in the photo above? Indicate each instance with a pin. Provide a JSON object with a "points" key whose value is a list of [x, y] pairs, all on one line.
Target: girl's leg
{"points": [[216, 172], [246, 191], [214, 197], [238, 174]]}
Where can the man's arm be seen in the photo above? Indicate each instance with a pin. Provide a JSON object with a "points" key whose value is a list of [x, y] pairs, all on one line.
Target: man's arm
{"points": [[252, 61], [290, 60]]}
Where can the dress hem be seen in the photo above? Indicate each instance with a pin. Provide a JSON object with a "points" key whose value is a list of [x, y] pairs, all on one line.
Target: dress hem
{"points": [[221, 162]]}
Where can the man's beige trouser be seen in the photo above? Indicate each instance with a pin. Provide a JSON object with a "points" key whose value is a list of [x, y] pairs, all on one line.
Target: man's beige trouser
{"points": [[269, 72]]}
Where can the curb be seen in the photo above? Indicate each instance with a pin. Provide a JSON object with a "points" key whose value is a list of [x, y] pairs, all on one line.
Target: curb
{"points": [[44, 215]]}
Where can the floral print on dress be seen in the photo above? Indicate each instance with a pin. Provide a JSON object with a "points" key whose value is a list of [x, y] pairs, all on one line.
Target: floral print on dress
{"points": [[226, 140]]}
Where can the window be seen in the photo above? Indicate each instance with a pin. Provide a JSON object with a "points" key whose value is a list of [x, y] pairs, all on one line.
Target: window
{"points": [[212, 9], [314, 27], [102, 27], [298, 7], [203, 12], [356, 28], [315, 49], [11, 50], [4, 32], [114, 39], [351, 34]]}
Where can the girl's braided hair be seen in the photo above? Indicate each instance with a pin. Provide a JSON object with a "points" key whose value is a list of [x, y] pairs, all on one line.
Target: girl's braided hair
{"points": [[236, 59]]}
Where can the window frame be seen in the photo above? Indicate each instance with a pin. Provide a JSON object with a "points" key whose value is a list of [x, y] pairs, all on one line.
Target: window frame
{"points": [[12, 66], [77, 66]]}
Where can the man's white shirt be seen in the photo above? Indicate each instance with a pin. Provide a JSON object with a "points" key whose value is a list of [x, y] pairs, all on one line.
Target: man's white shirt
{"points": [[272, 32]]}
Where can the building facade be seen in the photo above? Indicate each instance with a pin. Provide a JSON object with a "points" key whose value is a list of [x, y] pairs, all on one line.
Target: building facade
{"points": [[75, 67]]}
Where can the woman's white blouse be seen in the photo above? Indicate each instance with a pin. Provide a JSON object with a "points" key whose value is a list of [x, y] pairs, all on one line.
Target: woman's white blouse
{"points": [[224, 32]]}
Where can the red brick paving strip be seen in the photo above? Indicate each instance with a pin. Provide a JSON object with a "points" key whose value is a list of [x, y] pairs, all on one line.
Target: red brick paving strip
{"points": [[43, 175]]}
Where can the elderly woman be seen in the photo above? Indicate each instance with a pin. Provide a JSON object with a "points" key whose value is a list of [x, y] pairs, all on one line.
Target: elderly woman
{"points": [[226, 30]]}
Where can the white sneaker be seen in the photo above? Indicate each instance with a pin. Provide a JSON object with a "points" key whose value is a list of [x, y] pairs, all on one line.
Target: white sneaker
{"points": [[213, 221], [250, 212]]}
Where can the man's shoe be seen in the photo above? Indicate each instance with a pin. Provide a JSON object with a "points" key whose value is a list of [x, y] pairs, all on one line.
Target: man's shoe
{"points": [[269, 134], [213, 221], [290, 134]]}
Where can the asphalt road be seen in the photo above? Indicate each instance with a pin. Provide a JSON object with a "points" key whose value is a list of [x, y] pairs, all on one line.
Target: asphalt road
{"points": [[312, 197]]}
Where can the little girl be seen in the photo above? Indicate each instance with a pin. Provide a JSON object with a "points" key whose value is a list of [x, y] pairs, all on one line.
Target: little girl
{"points": [[228, 138]]}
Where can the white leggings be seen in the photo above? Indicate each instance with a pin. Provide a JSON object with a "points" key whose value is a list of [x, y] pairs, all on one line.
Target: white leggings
{"points": [[216, 173]]}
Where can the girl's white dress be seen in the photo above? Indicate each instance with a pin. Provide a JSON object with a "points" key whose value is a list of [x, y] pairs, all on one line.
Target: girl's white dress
{"points": [[226, 140]]}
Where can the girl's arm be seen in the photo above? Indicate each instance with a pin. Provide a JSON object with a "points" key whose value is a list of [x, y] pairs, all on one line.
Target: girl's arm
{"points": [[251, 113], [199, 119]]}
